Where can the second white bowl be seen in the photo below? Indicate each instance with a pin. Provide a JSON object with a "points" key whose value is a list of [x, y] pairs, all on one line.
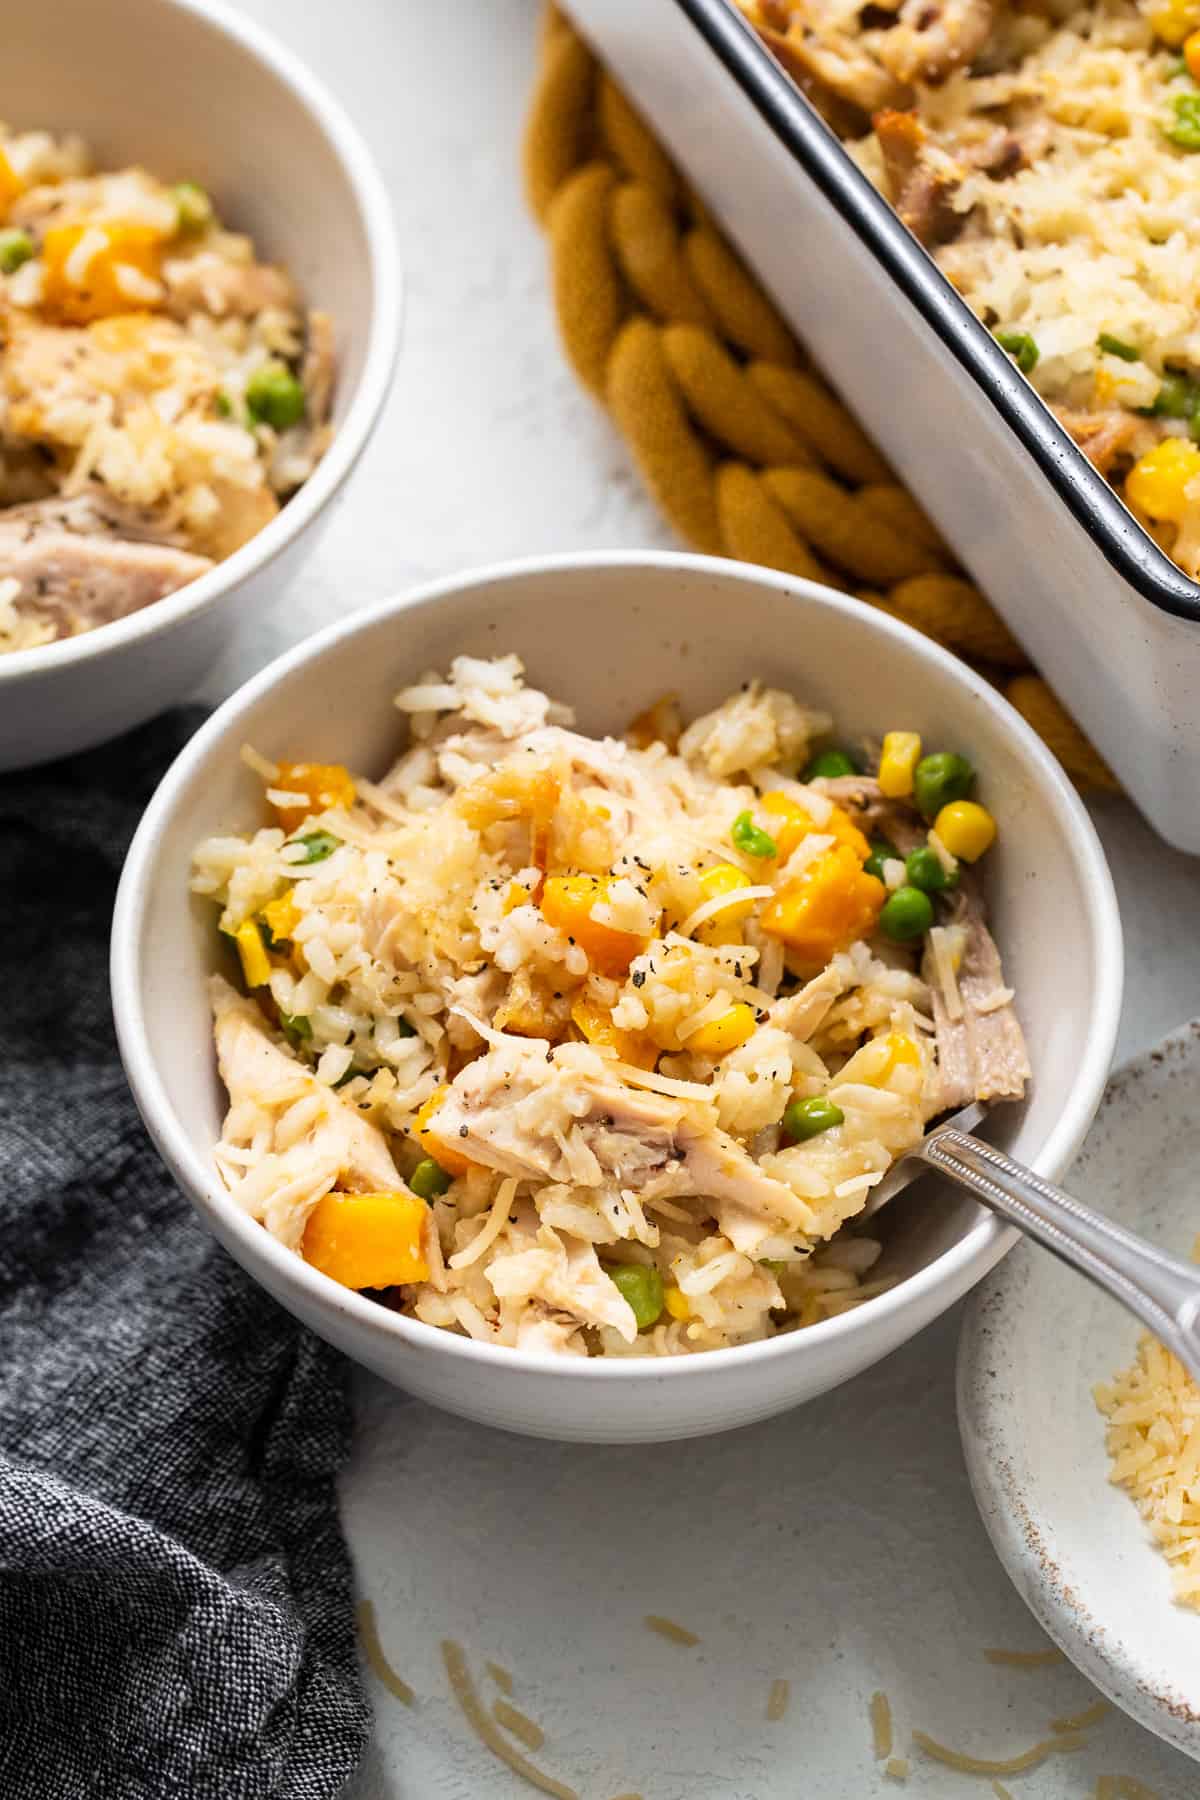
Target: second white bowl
{"points": [[609, 634], [284, 163]]}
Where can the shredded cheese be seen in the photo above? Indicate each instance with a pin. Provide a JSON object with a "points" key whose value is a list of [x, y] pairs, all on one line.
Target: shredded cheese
{"points": [[986, 1765], [677, 1634], [373, 1650], [881, 1726], [519, 1723], [486, 1729]]}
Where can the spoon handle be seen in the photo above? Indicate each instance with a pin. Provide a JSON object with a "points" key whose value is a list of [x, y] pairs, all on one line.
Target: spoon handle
{"points": [[1161, 1290]]}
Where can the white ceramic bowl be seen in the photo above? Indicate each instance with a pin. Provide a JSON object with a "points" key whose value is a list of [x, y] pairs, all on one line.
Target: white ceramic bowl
{"points": [[190, 88], [1036, 1341], [610, 633]]}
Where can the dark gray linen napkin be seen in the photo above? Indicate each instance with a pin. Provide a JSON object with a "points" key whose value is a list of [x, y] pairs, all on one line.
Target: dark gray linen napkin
{"points": [[175, 1598]]}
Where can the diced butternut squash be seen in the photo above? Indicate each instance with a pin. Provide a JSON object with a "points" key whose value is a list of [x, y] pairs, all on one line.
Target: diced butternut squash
{"points": [[826, 908], [367, 1240], [567, 903], [10, 185], [724, 1033], [442, 1150], [93, 271], [323, 787], [597, 1027], [789, 823]]}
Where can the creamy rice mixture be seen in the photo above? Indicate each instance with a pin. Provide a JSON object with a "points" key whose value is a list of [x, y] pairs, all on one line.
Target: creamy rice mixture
{"points": [[161, 390], [599, 1046]]}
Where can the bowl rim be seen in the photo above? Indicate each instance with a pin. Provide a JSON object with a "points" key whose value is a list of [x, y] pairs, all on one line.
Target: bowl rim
{"points": [[953, 1271], [370, 391], [1035, 1555]]}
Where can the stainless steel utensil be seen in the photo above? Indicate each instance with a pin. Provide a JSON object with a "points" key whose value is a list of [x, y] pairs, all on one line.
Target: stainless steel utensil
{"points": [[1161, 1290]]}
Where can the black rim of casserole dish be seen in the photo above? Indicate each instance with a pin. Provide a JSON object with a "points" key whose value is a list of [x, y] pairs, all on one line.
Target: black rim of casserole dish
{"points": [[1130, 551]]}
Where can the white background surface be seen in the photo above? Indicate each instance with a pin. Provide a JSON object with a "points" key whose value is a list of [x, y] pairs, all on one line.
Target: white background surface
{"points": [[837, 1546]]}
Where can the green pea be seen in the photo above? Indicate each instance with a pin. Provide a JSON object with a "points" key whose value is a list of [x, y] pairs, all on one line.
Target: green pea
{"points": [[16, 247], [804, 1119], [1021, 347], [274, 396], [1114, 346], [1176, 398], [317, 846], [643, 1288], [222, 404], [193, 208], [296, 1026], [881, 852], [1184, 130], [747, 837], [428, 1179], [923, 869], [907, 914], [939, 778], [830, 764]]}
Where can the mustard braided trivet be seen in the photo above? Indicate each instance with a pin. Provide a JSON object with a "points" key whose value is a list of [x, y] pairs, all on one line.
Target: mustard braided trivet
{"points": [[742, 445]]}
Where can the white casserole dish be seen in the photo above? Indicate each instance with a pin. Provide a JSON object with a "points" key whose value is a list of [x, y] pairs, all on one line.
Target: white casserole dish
{"points": [[1105, 614]]}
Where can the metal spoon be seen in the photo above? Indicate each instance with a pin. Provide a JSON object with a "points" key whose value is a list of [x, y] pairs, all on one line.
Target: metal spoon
{"points": [[1161, 1290]]}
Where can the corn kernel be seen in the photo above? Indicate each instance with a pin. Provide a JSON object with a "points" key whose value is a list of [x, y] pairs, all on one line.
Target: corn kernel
{"points": [[675, 1301], [256, 964], [901, 754], [966, 829], [442, 1151], [597, 1027], [833, 903], [723, 1034], [1174, 20], [1191, 54], [722, 879], [902, 1052], [367, 1240], [1158, 482], [281, 917], [791, 823]]}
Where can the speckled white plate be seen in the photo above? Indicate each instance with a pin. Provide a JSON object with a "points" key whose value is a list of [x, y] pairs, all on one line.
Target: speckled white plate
{"points": [[1035, 1341]]}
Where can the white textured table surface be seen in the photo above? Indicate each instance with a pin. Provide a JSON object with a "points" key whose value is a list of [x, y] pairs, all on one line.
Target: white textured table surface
{"points": [[837, 1546]]}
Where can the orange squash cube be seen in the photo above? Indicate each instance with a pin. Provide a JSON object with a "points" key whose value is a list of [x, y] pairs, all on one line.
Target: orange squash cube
{"points": [[93, 271], [324, 786], [827, 908], [567, 902], [442, 1150], [367, 1240], [789, 823]]}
